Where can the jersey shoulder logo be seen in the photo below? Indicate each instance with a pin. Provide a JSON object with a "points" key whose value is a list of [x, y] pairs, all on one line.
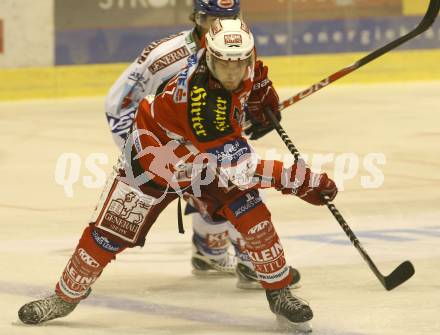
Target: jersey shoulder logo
{"points": [[168, 59]]}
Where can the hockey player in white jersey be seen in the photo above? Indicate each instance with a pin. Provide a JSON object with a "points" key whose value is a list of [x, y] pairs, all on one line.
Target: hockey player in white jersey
{"points": [[158, 62]]}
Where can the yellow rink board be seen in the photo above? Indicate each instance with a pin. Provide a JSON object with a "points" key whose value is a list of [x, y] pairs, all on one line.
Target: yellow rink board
{"points": [[89, 80], [415, 7]]}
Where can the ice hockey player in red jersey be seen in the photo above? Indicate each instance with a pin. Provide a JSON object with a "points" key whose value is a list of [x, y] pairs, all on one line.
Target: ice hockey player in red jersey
{"points": [[187, 142], [157, 63]]}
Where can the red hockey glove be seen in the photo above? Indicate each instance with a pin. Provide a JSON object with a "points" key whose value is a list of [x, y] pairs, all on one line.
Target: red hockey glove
{"points": [[307, 185], [263, 96], [314, 194], [301, 181]]}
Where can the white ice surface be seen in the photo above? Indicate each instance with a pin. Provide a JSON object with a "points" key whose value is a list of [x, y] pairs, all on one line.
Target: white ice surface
{"points": [[152, 291]]}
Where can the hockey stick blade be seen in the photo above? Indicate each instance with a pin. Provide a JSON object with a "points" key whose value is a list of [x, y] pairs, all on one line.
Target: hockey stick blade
{"points": [[400, 275]]}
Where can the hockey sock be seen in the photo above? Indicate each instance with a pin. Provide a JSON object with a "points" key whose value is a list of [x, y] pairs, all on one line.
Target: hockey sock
{"points": [[89, 259]]}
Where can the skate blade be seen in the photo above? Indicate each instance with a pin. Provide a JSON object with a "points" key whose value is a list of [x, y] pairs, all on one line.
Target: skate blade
{"points": [[251, 285], [288, 326], [295, 286]]}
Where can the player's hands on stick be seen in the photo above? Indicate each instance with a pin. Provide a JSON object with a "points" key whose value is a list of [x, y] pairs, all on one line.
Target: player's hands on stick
{"points": [[313, 194], [308, 185], [263, 96]]}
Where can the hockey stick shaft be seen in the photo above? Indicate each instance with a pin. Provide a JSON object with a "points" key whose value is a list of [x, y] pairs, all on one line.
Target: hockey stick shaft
{"points": [[344, 225], [399, 275], [425, 23]]}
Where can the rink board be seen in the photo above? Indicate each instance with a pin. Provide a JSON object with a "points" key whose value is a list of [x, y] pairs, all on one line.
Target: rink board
{"points": [[92, 80]]}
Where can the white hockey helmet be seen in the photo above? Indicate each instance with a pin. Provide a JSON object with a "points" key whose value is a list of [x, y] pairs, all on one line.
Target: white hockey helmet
{"points": [[230, 39], [230, 51]]}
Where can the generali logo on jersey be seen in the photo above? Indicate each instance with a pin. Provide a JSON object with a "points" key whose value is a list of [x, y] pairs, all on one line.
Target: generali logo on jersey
{"points": [[233, 39], [169, 59], [125, 216]]}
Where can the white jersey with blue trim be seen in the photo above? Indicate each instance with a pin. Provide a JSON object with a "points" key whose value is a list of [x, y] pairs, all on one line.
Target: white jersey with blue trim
{"points": [[158, 62]]}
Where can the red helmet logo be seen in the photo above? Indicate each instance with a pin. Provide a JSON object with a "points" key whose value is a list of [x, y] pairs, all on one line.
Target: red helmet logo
{"points": [[225, 3], [233, 39]]}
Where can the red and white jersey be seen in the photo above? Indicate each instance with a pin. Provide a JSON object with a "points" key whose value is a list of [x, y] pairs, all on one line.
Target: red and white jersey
{"points": [[158, 62], [192, 114]]}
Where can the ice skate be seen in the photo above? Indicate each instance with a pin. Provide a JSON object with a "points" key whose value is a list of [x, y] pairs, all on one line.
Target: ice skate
{"points": [[292, 313], [205, 266], [53, 307], [248, 280]]}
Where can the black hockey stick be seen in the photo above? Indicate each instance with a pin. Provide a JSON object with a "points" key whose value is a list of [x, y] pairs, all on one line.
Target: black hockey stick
{"points": [[401, 274], [427, 21], [405, 270]]}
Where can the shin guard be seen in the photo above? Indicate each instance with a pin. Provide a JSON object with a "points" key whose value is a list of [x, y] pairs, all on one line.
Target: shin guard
{"points": [[89, 259], [252, 219]]}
